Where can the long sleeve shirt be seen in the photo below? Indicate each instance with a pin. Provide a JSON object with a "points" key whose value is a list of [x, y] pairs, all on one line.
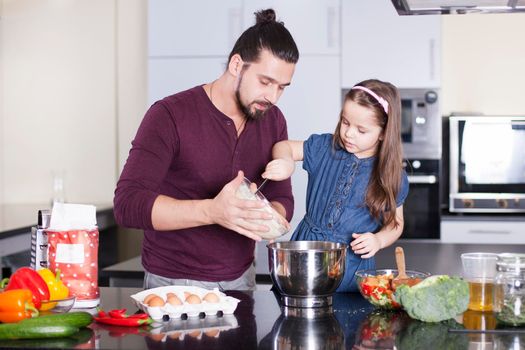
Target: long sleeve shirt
{"points": [[187, 149]]}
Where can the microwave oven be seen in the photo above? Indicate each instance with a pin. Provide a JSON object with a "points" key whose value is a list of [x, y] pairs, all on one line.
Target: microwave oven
{"points": [[487, 164], [420, 123]]}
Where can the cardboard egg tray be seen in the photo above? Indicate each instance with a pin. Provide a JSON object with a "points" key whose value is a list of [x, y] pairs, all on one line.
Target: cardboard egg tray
{"points": [[226, 304]]}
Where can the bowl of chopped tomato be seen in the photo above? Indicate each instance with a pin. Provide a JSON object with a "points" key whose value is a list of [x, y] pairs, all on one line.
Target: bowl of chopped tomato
{"points": [[376, 285]]}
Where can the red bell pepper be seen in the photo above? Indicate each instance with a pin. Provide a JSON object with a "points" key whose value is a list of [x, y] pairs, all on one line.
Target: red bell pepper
{"points": [[27, 278]]}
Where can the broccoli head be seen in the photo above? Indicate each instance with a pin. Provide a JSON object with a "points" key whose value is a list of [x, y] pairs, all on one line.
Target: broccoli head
{"points": [[435, 299]]}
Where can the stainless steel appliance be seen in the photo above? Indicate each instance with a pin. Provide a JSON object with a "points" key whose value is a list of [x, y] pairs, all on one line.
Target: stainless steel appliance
{"points": [[422, 206], [421, 137], [452, 7], [420, 123], [487, 164]]}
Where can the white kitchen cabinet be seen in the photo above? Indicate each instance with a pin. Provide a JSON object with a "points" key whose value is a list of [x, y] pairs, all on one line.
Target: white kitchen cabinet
{"points": [[311, 105], [314, 24], [486, 230], [378, 43], [193, 28], [167, 76]]}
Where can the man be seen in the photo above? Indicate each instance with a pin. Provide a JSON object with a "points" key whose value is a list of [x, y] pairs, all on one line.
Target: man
{"points": [[177, 182]]}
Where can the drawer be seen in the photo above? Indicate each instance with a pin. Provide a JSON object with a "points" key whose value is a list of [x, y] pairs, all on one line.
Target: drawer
{"points": [[490, 232]]}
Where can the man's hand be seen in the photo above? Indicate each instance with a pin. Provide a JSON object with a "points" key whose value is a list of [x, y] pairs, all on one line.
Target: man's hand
{"points": [[237, 214], [279, 169]]}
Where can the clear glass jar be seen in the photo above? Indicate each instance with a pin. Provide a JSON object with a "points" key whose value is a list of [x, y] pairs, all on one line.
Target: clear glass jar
{"points": [[509, 296]]}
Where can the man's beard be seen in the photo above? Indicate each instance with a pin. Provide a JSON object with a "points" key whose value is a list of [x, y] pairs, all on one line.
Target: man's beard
{"points": [[257, 114]]}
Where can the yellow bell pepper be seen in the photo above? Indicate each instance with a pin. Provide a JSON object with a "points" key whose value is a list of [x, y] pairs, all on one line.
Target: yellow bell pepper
{"points": [[57, 289]]}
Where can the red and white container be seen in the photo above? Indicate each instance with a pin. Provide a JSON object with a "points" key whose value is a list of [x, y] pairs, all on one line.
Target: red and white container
{"points": [[73, 248]]}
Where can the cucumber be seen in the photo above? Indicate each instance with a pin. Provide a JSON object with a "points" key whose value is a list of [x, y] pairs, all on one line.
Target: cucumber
{"points": [[83, 335], [35, 331], [54, 343], [77, 319]]}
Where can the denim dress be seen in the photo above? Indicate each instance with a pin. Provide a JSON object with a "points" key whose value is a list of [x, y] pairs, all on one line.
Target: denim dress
{"points": [[335, 201]]}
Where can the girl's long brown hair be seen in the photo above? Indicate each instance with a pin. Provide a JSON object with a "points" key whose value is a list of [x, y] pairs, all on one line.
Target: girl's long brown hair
{"points": [[385, 181]]}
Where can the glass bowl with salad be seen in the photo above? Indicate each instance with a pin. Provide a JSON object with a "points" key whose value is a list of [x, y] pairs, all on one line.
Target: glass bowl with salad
{"points": [[377, 287]]}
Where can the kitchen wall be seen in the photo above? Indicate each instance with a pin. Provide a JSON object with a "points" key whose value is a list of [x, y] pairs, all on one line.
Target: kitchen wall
{"points": [[483, 63], [73, 82], [2, 146], [73, 93]]}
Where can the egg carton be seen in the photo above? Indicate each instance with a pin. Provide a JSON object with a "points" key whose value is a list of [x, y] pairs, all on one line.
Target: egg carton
{"points": [[194, 327], [226, 304]]}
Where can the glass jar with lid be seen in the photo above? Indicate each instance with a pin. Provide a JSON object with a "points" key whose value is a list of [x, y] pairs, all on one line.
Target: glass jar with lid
{"points": [[509, 296]]}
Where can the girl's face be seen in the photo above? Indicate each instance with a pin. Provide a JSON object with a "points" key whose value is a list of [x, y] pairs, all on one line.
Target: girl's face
{"points": [[359, 130]]}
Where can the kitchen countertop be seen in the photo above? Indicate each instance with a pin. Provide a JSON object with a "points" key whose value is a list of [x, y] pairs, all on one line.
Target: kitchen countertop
{"points": [[260, 323], [19, 218], [423, 255], [16, 221]]}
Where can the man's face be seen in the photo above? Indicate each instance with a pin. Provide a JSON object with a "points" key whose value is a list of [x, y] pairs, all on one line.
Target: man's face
{"points": [[260, 84]]}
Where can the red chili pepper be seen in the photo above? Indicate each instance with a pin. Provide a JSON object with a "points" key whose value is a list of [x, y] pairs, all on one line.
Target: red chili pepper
{"points": [[141, 316], [121, 313], [27, 278], [127, 322], [102, 313], [120, 331]]}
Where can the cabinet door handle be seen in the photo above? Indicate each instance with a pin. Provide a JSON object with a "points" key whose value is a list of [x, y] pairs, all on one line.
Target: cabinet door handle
{"points": [[234, 25], [431, 49], [484, 232], [331, 26]]}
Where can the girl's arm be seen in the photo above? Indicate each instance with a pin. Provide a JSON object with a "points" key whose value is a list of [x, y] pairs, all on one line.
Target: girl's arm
{"points": [[285, 154], [368, 244]]}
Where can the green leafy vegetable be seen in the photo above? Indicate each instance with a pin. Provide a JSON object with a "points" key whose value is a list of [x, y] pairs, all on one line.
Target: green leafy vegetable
{"points": [[435, 299], [512, 312], [420, 335]]}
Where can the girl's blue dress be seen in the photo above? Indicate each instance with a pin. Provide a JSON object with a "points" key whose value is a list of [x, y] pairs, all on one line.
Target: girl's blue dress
{"points": [[335, 197]]}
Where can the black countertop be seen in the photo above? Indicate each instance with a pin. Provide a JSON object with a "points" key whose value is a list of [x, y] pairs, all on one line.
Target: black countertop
{"points": [[423, 255], [260, 323], [16, 219]]}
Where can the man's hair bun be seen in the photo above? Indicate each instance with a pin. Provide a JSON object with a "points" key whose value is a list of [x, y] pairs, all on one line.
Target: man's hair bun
{"points": [[264, 16]]}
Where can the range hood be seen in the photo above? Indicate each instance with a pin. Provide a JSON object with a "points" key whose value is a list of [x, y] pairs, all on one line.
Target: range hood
{"points": [[453, 7]]}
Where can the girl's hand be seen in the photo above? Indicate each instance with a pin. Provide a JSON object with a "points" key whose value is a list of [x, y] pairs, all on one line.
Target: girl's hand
{"points": [[279, 169], [365, 243]]}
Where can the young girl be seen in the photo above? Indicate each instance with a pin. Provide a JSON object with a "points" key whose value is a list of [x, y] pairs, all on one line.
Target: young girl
{"points": [[356, 183]]}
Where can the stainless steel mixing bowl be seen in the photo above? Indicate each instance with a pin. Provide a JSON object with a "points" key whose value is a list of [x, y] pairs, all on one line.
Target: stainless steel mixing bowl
{"points": [[306, 272]]}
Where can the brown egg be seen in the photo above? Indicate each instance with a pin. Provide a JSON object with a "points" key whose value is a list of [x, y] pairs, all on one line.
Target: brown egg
{"points": [[156, 337], [148, 298], [211, 298], [174, 335], [195, 334], [156, 301], [173, 299], [193, 299], [213, 333]]}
